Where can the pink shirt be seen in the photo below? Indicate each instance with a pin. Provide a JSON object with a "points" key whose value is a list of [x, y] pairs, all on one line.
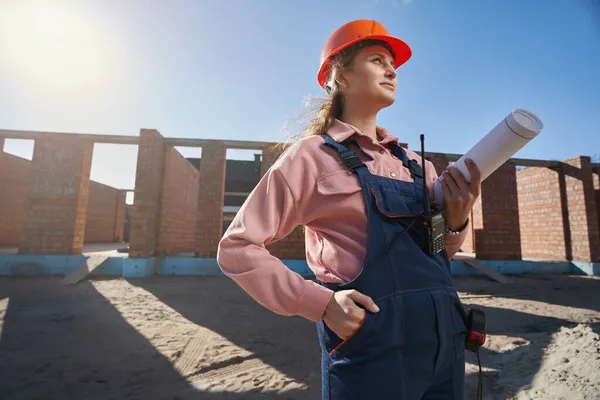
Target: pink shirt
{"points": [[309, 185]]}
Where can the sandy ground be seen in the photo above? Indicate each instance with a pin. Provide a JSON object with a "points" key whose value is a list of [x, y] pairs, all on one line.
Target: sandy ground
{"points": [[204, 338]]}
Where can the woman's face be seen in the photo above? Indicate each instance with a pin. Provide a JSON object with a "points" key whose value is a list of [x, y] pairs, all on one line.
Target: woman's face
{"points": [[371, 79]]}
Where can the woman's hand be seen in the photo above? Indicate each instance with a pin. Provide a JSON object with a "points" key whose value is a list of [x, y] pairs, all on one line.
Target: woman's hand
{"points": [[343, 315], [460, 195]]}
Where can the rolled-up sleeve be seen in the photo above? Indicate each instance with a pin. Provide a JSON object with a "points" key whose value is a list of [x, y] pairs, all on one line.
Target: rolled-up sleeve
{"points": [[270, 213]]}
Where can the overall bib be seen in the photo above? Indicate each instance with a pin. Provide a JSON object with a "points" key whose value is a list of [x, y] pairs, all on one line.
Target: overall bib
{"points": [[414, 347]]}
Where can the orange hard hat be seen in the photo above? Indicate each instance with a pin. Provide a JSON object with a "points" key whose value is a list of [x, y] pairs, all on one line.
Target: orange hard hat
{"points": [[359, 32]]}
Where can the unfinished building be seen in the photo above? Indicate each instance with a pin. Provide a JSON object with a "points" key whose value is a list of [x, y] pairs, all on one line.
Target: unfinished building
{"points": [[528, 209]]}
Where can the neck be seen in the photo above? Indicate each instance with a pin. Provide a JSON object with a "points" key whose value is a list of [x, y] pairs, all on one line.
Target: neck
{"points": [[366, 122]]}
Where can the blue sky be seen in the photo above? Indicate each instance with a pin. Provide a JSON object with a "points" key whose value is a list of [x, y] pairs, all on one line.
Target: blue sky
{"points": [[239, 69]]}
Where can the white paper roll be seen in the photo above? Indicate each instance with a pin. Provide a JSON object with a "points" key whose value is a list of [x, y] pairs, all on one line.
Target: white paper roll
{"points": [[497, 147]]}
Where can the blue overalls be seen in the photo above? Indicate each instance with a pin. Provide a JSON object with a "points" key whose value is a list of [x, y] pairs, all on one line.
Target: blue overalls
{"points": [[414, 347]]}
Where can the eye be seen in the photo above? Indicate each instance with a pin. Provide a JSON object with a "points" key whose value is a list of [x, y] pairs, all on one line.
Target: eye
{"points": [[378, 60]]}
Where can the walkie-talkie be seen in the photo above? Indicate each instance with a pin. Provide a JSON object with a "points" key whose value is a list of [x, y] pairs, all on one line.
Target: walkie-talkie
{"points": [[434, 226]]}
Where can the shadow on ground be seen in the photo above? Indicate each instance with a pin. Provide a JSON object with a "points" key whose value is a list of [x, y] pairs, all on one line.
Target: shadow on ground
{"points": [[71, 342], [288, 344], [522, 357], [62, 342]]}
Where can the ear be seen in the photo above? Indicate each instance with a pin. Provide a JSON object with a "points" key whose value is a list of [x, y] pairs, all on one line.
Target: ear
{"points": [[341, 80]]}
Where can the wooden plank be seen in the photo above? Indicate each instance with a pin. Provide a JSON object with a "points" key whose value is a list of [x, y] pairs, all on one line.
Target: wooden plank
{"points": [[495, 275], [83, 270]]}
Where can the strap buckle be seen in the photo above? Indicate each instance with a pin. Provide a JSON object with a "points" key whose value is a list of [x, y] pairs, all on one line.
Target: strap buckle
{"points": [[351, 159]]}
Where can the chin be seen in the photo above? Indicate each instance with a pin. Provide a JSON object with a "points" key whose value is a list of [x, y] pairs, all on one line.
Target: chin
{"points": [[386, 100], [386, 97]]}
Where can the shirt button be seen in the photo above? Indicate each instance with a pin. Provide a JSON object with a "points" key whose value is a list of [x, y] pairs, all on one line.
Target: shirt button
{"points": [[381, 151], [393, 174]]}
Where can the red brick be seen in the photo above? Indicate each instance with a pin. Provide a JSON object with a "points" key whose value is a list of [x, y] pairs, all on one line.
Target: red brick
{"points": [[179, 205], [148, 193], [14, 181], [597, 192], [581, 226], [540, 214], [103, 224], [546, 213], [497, 234], [119, 224], [211, 197], [439, 161], [58, 196]]}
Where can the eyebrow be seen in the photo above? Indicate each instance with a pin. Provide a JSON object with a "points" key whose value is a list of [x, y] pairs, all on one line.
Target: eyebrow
{"points": [[382, 55]]}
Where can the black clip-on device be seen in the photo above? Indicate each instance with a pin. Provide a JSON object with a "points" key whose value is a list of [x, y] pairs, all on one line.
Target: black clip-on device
{"points": [[476, 326], [433, 226]]}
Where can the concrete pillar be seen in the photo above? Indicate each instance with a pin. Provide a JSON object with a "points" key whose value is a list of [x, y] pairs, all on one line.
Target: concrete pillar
{"points": [[500, 237], [58, 196], [145, 220], [211, 198], [580, 213]]}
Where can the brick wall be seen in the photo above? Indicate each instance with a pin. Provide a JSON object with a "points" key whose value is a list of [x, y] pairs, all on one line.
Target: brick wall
{"points": [[179, 206], [540, 214], [498, 238], [211, 199], [555, 214], [119, 226], [143, 241], [105, 214], [439, 161], [14, 184], [475, 225], [582, 222], [596, 178], [57, 197]]}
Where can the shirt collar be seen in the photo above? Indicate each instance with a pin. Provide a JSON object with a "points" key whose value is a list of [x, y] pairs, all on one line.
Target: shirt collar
{"points": [[341, 131]]}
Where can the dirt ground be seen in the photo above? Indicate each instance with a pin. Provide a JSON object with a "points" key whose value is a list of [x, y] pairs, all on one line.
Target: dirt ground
{"points": [[204, 338]]}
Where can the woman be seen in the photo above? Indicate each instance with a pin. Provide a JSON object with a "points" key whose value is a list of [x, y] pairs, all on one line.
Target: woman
{"points": [[389, 320]]}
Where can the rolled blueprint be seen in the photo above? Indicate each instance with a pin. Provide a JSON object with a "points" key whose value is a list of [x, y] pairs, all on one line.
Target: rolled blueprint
{"points": [[497, 147]]}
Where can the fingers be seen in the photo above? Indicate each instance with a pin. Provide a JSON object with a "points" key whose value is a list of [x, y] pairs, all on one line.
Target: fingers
{"points": [[363, 300], [474, 171], [350, 326], [450, 184], [447, 194], [459, 180]]}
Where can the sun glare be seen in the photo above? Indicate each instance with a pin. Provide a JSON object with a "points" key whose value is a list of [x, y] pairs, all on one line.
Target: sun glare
{"points": [[52, 46]]}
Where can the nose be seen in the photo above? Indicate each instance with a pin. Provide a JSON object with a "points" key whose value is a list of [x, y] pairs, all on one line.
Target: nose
{"points": [[390, 71]]}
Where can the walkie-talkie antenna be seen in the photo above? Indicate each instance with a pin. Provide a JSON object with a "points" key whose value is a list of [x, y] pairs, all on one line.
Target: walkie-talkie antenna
{"points": [[425, 191]]}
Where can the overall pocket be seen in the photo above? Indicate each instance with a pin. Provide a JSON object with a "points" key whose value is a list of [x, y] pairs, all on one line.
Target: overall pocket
{"points": [[401, 212], [336, 346], [396, 204]]}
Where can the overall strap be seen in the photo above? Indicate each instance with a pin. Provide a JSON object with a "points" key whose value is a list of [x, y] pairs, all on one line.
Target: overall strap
{"points": [[413, 166], [348, 157]]}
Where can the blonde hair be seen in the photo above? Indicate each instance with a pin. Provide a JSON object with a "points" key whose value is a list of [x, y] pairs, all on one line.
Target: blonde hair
{"points": [[325, 110]]}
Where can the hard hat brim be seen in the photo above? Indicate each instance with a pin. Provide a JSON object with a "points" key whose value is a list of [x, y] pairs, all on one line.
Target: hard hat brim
{"points": [[402, 52]]}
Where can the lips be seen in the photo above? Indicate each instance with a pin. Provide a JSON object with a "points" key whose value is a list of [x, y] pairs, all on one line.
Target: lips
{"points": [[389, 85]]}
